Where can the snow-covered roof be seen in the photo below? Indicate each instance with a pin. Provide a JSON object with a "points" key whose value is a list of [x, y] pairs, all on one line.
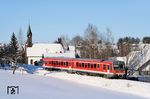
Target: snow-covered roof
{"points": [[67, 54], [71, 48], [39, 49]]}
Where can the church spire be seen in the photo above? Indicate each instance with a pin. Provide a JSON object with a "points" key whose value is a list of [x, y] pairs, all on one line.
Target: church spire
{"points": [[29, 32], [29, 37]]}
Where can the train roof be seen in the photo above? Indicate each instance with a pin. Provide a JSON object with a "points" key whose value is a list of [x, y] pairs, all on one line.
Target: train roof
{"points": [[79, 59]]}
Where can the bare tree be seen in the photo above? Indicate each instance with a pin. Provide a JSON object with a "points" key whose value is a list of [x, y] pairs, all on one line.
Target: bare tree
{"points": [[91, 41], [94, 44], [64, 41], [21, 37], [21, 51], [76, 41], [109, 43]]}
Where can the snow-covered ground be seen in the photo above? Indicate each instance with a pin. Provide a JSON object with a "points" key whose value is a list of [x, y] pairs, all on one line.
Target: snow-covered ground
{"points": [[34, 82]]}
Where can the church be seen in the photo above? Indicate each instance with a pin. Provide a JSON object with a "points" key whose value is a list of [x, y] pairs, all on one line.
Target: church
{"points": [[37, 51]]}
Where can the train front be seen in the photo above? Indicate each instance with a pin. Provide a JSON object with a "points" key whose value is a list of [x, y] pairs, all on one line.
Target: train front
{"points": [[119, 68]]}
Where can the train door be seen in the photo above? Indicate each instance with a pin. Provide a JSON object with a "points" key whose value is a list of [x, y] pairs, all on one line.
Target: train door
{"points": [[108, 68]]}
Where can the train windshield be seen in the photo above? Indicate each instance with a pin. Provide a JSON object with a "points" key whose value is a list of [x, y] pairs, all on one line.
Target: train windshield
{"points": [[119, 65]]}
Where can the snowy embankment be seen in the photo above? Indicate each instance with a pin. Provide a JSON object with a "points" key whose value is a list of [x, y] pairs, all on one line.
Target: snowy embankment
{"points": [[120, 85], [132, 87], [117, 85], [33, 86]]}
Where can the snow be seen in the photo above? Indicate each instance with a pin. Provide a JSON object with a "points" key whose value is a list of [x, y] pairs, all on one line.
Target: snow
{"points": [[69, 54], [39, 49], [36, 52], [138, 58], [35, 82]]}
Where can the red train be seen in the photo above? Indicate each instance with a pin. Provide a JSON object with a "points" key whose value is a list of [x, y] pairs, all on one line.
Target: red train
{"points": [[89, 66]]}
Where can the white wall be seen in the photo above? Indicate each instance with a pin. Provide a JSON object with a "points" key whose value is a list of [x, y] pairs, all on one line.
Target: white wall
{"points": [[37, 58]]}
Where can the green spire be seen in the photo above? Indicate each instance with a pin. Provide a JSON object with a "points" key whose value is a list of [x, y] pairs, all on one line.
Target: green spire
{"points": [[29, 37], [29, 32]]}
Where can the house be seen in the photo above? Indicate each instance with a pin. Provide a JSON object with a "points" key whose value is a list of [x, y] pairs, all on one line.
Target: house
{"points": [[37, 51]]}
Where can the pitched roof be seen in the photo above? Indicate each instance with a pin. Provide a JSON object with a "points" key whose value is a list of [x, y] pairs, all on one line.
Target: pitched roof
{"points": [[39, 49]]}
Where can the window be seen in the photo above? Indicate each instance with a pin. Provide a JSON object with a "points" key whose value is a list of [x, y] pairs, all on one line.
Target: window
{"points": [[94, 65], [77, 64], [31, 61], [91, 65], [82, 65], [61, 63], [88, 65], [104, 67]]}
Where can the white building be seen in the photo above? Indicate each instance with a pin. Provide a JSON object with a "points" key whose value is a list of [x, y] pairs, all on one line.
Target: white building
{"points": [[36, 52]]}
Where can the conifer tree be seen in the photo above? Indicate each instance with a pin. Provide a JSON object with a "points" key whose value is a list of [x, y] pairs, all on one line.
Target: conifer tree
{"points": [[13, 46]]}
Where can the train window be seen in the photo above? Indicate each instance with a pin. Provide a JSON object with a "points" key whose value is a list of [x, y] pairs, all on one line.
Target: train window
{"points": [[94, 65], [88, 65], [98, 66], [77, 64], [82, 65], [91, 65], [61, 63], [104, 67]]}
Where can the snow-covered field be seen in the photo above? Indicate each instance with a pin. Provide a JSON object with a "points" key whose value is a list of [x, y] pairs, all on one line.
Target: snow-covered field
{"points": [[34, 82]]}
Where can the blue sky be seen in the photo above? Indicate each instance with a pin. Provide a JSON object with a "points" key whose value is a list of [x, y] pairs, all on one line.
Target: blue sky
{"points": [[50, 19]]}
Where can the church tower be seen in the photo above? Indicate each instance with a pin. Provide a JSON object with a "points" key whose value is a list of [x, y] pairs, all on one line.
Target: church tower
{"points": [[29, 37]]}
